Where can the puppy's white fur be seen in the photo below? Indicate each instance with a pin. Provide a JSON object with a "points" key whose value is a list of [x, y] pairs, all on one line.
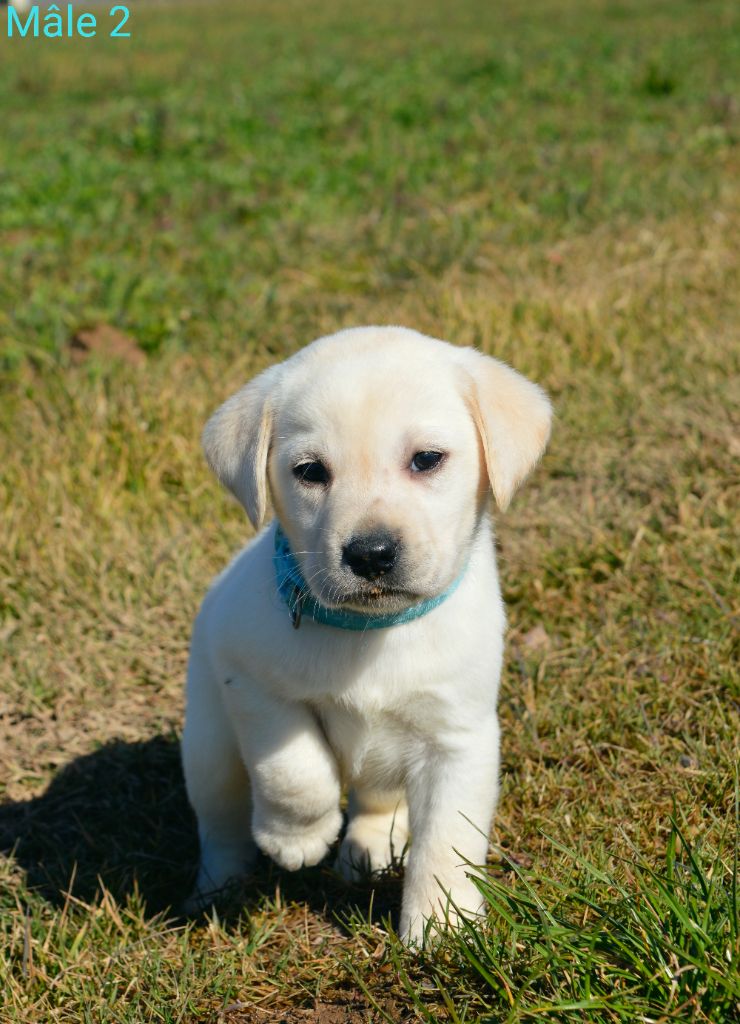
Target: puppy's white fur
{"points": [[278, 719]]}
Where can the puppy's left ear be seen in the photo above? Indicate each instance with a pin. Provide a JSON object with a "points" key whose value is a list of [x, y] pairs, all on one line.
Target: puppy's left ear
{"points": [[236, 441], [513, 417]]}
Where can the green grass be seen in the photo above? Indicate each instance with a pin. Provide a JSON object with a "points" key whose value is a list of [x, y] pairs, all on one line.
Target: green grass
{"points": [[554, 182], [642, 943]]}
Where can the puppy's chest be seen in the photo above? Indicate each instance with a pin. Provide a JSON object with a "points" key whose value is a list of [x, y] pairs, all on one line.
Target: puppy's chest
{"points": [[383, 706], [375, 746]]}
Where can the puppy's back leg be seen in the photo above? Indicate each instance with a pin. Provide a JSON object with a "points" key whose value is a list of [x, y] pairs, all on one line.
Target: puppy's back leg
{"points": [[377, 832], [218, 788]]}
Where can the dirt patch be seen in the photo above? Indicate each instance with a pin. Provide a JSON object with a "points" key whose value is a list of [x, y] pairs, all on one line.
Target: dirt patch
{"points": [[353, 1008], [106, 342]]}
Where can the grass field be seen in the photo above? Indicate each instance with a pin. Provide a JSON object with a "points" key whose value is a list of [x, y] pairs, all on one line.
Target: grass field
{"points": [[554, 182]]}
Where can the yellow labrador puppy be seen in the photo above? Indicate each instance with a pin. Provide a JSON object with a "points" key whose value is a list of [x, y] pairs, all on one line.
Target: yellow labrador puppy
{"points": [[357, 640]]}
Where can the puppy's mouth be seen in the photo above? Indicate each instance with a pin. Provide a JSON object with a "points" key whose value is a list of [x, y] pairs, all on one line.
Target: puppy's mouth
{"points": [[378, 598], [374, 597]]}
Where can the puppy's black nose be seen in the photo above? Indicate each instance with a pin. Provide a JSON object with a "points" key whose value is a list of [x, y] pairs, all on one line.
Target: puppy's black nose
{"points": [[371, 556]]}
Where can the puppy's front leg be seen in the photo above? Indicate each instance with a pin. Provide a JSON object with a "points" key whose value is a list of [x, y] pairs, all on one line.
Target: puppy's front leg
{"points": [[294, 777], [451, 798]]}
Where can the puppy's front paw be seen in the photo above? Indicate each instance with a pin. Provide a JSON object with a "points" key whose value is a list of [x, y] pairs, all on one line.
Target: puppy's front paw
{"points": [[425, 915], [297, 845], [419, 928]]}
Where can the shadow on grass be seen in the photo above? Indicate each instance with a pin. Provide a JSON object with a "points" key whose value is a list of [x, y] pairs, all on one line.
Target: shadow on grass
{"points": [[120, 817]]}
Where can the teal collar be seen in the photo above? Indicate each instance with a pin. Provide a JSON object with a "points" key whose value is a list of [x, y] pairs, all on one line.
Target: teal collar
{"points": [[294, 591]]}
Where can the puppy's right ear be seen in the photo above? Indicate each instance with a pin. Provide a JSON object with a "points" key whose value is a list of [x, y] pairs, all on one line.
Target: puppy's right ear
{"points": [[236, 441]]}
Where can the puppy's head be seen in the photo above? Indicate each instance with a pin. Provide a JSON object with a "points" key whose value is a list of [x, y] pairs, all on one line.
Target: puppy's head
{"points": [[378, 447]]}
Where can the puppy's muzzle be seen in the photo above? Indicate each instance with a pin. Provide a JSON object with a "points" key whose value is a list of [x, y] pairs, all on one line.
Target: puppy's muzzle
{"points": [[371, 556]]}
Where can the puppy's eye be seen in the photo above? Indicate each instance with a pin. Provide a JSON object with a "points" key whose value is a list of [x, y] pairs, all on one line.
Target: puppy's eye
{"points": [[423, 462], [311, 473]]}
